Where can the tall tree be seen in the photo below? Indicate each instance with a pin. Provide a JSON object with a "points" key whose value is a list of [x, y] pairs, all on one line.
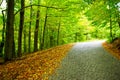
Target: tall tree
{"points": [[36, 28], [25, 39], [29, 40], [3, 36], [108, 9], [110, 20], [21, 28], [58, 34], [45, 23], [9, 39]]}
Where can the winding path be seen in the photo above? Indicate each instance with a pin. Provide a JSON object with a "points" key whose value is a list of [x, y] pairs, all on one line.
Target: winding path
{"points": [[88, 61]]}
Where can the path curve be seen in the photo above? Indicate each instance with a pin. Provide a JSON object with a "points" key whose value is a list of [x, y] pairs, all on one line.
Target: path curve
{"points": [[88, 61]]}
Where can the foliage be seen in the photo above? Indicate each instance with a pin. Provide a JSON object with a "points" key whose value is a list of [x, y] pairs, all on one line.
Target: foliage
{"points": [[113, 48], [106, 15], [38, 65], [60, 22], [66, 22]]}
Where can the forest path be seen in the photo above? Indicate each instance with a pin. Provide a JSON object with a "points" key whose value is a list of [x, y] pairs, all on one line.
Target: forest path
{"points": [[88, 61]]}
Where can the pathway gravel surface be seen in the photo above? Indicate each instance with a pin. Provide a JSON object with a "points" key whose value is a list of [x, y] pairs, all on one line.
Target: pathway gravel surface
{"points": [[88, 61]]}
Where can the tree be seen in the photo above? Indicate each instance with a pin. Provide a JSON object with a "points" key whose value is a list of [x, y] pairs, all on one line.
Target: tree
{"points": [[25, 39], [30, 23], [9, 39], [21, 29], [105, 16], [37, 28], [3, 34], [44, 29], [58, 34]]}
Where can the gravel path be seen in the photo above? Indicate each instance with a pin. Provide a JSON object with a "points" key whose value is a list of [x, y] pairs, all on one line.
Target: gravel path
{"points": [[88, 61]]}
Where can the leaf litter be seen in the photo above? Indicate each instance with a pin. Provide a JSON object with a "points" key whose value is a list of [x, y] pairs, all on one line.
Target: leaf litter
{"points": [[113, 48], [35, 66]]}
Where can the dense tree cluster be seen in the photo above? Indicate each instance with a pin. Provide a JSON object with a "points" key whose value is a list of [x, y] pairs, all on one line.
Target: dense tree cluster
{"points": [[31, 25]]}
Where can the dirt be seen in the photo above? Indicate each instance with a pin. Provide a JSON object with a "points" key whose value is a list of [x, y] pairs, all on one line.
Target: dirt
{"points": [[113, 48]]}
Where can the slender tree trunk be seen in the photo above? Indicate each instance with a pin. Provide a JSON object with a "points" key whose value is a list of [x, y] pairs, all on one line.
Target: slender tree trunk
{"points": [[36, 29], [58, 33], [111, 28], [9, 39], [48, 39], [110, 21], [119, 24], [29, 40], [96, 32], [3, 35], [40, 37], [51, 39], [21, 29], [3, 31], [43, 38], [75, 37], [118, 19], [25, 47], [36, 32]]}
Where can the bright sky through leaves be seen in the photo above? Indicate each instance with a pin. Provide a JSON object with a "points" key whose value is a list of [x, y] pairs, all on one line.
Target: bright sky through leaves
{"points": [[3, 5], [118, 6]]}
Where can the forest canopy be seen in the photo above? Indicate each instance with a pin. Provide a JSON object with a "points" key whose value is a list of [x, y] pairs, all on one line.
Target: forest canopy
{"points": [[30, 25]]}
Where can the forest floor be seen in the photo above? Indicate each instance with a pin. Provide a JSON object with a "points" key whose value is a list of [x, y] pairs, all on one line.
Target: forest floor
{"points": [[34, 66], [113, 48], [40, 65]]}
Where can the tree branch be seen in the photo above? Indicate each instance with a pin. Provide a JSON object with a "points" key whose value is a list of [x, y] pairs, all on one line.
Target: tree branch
{"points": [[36, 5]]}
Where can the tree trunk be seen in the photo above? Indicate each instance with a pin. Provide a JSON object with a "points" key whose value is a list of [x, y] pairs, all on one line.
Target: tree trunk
{"points": [[75, 37], [51, 41], [3, 35], [3, 31], [40, 37], [43, 38], [118, 20], [9, 39], [29, 40], [36, 32], [111, 28], [58, 33], [36, 29], [21, 29], [110, 20], [25, 39]]}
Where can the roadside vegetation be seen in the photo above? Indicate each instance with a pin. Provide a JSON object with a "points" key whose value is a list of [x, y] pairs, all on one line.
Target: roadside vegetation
{"points": [[29, 27], [113, 47]]}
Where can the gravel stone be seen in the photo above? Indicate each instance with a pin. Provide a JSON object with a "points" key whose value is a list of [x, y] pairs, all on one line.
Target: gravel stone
{"points": [[88, 61]]}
